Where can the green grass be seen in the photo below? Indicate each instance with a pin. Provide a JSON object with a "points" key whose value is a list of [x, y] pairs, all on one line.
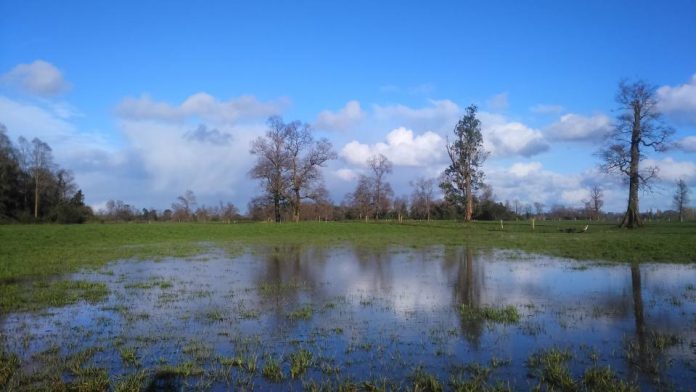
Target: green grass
{"points": [[28, 252], [506, 315], [303, 313]]}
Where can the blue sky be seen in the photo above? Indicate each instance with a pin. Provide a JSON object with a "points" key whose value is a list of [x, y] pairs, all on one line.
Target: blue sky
{"points": [[118, 88]]}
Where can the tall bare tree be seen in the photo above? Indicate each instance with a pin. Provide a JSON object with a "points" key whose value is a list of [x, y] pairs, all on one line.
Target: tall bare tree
{"points": [[681, 198], [38, 160], [305, 157], [272, 162], [464, 174], [380, 167], [638, 125], [288, 162]]}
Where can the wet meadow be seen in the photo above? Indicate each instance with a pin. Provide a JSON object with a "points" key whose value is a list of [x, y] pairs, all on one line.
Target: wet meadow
{"points": [[347, 306]]}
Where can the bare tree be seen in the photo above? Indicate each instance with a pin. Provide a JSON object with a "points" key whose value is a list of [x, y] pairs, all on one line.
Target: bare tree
{"points": [[422, 197], [288, 162], [596, 202], [380, 166], [38, 160], [638, 125], [272, 162], [228, 212], [401, 208], [305, 157], [539, 209], [681, 198], [361, 198], [466, 153], [183, 206]]}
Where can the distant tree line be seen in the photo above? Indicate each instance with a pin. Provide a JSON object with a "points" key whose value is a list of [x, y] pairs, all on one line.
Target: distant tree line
{"points": [[33, 188], [287, 164]]}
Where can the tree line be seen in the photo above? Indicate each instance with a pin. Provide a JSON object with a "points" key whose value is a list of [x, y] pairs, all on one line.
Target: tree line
{"points": [[287, 164], [33, 188]]}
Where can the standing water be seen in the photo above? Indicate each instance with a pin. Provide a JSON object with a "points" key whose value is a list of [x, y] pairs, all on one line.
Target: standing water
{"points": [[319, 318]]}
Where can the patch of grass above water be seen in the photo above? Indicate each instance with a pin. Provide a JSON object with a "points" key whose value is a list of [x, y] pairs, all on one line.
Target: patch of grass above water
{"points": [[506, 315], [303, 313], [271, 370], [49, 293]]}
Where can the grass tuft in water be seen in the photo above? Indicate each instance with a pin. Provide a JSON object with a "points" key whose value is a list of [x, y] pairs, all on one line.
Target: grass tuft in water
{"points": [[550, 367], [506, 315], [271, 370], [303, 313], [605, 379], [299, 362], [425, 382]]}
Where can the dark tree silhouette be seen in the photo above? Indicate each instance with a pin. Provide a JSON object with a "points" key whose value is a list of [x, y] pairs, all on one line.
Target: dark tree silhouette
{"points": [[638, 125]]}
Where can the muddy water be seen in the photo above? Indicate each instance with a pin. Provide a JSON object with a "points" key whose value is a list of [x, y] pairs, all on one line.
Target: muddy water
{"points": [[370, 315]]}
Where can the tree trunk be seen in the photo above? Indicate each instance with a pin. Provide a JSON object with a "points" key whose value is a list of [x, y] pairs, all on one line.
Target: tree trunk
{"points": [[631, 219], [276, 207], [638, 311], [36, 197], [296, 206], [469, 199]]}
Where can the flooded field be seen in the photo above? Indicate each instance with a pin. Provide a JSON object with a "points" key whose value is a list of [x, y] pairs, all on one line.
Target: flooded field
{"points": [[322, 318]]}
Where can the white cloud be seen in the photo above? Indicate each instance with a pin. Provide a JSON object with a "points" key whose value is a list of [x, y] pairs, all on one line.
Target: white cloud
{"points": [[39, 78], [498, 102], [679, 101], [503, 137], [349, 116], [201, 105], [671, 170], [547, 109], [687, 144], [521, 169], [574, 127], [346, 174], [439, 116], [402, 147]]}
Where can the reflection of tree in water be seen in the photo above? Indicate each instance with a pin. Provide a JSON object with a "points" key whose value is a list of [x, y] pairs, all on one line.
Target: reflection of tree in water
{"points": [[645, 353], [376, 262], [468, 289], [288, 273]]}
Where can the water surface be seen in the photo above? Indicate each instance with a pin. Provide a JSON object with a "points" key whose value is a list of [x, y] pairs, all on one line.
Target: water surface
{"points": [[370, 315]]}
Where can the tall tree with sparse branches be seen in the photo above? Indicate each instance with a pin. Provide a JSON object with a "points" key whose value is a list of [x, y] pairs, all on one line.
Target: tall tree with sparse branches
{"points": [[681, 198], [305, 157], [637, 126], [464, 174], [288, 162], [272, 162], [380, 167]]}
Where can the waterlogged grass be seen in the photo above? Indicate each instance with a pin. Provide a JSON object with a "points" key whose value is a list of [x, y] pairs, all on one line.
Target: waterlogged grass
{"points": [[506, 315], [29, 250], [303, 313], [48, 293]]}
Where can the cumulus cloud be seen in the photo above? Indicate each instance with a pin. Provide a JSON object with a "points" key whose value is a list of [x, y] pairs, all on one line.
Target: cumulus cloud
{"points": [[574, 127], [502, 137], [346, 174], [687, 144], [679, 101], [530, 182], [204, 135], [671, 170], [38, 78], [342, 120], [402, 147], [201, 105], [439, 115]]}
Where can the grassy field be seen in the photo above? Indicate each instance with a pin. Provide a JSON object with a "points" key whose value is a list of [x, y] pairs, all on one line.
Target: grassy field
{"points": [[31, 250]]}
